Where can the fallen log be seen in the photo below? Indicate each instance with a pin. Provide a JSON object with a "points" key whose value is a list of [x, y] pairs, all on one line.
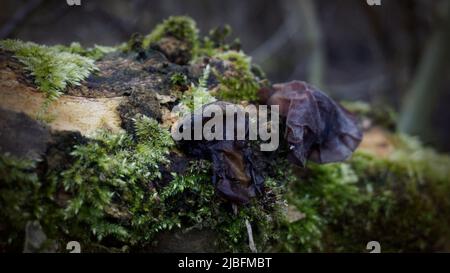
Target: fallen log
{"points": [[94, 162]]}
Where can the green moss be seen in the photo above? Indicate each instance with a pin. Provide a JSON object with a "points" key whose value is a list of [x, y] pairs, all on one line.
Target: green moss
{"points": [[217, 36], [323, 192], [115, 196], [406, 203], [216, 42], [381, 115], [233, 230], [238, 83], [190, 201], [19, 185], [109, 184], [197, 95], [109, 197], [18, 182], [180, 27], [402, 202], [178, 79], [105, 193], [96, 53], [53, 69]]}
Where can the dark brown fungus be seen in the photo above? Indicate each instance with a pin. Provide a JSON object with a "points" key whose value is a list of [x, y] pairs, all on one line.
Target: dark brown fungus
{"points": [[234, 173], [317, 128], [235, 176]]}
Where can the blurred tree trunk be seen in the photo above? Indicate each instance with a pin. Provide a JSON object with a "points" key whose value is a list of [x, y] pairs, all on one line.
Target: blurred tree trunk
{"points": [[313, 39], [426, 88]]}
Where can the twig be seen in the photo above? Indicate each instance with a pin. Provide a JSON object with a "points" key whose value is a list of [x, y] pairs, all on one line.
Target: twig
{"points": [[235, 208], [251, 242]]}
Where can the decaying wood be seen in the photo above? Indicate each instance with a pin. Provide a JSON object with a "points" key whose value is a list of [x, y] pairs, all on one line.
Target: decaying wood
{"points": [[110, 98], [72, 113]]}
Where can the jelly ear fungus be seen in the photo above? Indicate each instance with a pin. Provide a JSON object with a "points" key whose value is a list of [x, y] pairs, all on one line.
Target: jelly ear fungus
{"points": [[317, 127]]}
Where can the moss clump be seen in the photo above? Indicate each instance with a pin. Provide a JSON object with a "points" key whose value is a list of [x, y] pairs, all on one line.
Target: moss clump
{"points": [[237, 83], [19, 185], [197, 95], [110, 184], [111, 196], [217, 37], [182, 28], [216, 42], [107, 192], [380, 115], [402, 202], [53, 69], [324, 192], [190, 202], [178, 79], [96, 53], [116, 195]]}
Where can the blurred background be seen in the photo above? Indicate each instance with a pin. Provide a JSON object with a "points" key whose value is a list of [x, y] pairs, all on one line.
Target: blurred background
{"points": [[392, 55]]}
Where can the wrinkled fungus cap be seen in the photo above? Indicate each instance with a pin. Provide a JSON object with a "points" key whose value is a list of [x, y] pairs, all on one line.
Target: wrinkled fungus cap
{"points": [[317, 127]]}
